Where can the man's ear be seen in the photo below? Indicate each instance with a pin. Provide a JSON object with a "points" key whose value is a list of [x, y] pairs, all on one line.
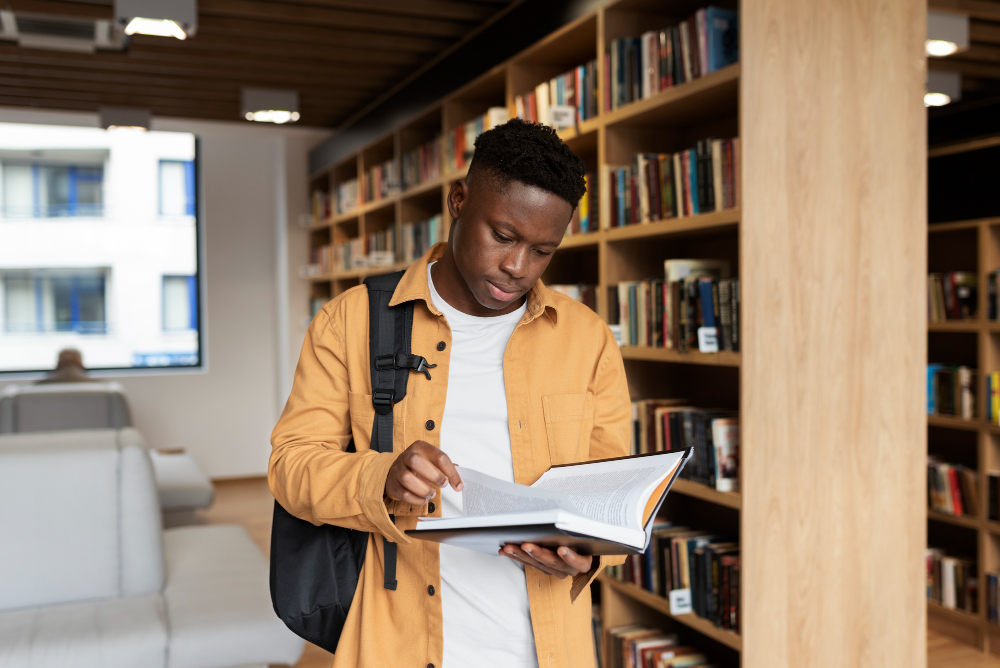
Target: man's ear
{"points": [[458, 196]]}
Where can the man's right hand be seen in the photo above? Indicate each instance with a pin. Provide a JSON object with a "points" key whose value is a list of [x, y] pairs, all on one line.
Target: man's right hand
{"points": [[416, 473]]}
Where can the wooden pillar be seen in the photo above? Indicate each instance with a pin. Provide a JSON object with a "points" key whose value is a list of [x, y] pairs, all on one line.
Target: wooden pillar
{"points": [[833, 265]]}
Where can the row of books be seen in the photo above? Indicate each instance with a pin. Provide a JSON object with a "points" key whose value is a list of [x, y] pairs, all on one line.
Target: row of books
{"points": [[668, 313], [993, 496], [665, 425], [576, 89], [321, 205], [639, 67], [587, 214], [377, 249], [951, 581], [348, 194], [419, 236], [993, 397], [459, 143], [382, 181], [993, 598], [660, 186], [584, 293], [951, 488], [640, 646], [422, 164], [951, 295], [951, 391], [703, 562]]}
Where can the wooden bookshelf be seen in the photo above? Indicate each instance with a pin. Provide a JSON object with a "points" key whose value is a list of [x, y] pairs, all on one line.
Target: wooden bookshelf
{"points": [[969, 245], [775, 505]]}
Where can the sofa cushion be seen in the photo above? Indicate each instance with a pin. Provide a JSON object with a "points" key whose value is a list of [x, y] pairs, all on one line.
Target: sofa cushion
{"points": [[218, 604], [58, 406], [113, 633], [181, 484]]}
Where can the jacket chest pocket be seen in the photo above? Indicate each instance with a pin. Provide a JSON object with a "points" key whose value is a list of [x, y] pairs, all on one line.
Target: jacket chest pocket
{"points": [[569, 419], [362, 418]]}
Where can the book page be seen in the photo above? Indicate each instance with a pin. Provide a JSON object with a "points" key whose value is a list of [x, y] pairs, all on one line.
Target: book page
{"points": [[486, 495], [612, 491]]}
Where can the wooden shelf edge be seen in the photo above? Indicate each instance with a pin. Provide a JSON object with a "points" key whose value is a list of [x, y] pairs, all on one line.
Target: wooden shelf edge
{"points": [[703, 221], [960, 616], [706, 493], [661, 605], [954, 422], [969, 224], [577, 240], [963, 146], [966, 521], [955, 326], [723, 77], [649, 354]]}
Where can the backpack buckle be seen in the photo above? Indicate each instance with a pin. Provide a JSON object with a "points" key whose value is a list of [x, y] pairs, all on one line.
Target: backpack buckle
{"points": [[383, 400], [403, 361]]}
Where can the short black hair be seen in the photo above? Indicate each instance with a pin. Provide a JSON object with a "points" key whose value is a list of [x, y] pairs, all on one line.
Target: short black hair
{"points": [[532, 154]]}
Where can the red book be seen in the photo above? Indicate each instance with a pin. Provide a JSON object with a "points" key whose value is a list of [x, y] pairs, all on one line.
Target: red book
{"points": [[607, 84], [956, 491]]}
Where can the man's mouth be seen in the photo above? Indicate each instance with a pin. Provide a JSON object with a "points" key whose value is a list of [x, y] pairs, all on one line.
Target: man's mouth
{"points": [[500, 294]]}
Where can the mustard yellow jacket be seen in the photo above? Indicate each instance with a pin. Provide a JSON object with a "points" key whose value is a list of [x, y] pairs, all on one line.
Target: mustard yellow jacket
{"points": [[567, 401]]}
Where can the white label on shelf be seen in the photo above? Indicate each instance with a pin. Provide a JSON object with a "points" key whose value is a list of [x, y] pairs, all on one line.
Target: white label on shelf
{"points": [[680, 601], [562, 116], [708, 341]]}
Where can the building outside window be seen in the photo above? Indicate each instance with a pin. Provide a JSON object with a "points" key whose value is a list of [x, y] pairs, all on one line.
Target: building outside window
{"points": [[54, 301], [34, 190], [176, 188], [180, 303]]}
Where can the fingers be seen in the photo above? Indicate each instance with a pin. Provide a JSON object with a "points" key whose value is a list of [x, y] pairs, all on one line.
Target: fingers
{"points": [[548, 561], [394, 490], [445, 465], [581, 563]]}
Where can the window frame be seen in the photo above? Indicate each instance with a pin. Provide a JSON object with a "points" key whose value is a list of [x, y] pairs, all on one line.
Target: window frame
{"points": [[74, 177], [190, 187]]}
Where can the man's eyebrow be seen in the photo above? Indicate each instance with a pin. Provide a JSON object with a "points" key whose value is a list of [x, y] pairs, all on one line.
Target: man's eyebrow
{"points": [[508, 228]]}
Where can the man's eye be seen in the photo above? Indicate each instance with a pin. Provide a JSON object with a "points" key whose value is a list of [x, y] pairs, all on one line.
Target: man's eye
{"points": [[541, 252], [500, 237]]}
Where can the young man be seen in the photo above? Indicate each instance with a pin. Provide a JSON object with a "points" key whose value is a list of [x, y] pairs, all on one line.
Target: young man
{"points": [[526, 378]]}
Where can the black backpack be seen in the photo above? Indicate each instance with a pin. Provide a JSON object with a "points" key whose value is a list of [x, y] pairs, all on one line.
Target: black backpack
{"points": [[314, 569]]}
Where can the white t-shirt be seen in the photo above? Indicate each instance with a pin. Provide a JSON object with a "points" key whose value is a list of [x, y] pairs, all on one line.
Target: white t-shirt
{"points": [[484, 598]]}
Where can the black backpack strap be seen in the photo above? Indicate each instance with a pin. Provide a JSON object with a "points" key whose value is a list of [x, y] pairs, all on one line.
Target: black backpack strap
{"points": [[389, 331]]}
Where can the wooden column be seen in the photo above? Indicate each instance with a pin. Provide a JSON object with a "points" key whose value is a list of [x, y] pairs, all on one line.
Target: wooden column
{"points": [[833, 265]]}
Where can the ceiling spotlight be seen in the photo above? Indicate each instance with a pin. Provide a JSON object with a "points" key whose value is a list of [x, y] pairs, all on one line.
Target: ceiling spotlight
{"points": [[946, 34], [120, 118], [270, 106], [163, 18], [942, 88]]}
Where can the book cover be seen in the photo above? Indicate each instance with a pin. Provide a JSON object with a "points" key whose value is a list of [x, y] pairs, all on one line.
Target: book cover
{"points": [[722, 38]]}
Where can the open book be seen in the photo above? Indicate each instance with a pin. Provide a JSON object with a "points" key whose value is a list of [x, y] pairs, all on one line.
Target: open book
{"points": [[602, 507]]}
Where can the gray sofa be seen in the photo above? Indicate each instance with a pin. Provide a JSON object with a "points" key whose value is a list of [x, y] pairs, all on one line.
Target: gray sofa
{"points": [[181, 483], [90, 579]]}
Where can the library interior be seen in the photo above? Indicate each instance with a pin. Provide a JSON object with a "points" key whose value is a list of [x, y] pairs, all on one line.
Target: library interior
{"points": [[195, 196]]}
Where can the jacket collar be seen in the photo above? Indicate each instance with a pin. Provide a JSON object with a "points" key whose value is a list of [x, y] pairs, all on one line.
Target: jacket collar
{"points": [[414, 286]]}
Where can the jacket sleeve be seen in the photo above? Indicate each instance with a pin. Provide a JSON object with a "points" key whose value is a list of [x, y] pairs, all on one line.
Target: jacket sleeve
{"points": [[310, 473], [611, 434]]}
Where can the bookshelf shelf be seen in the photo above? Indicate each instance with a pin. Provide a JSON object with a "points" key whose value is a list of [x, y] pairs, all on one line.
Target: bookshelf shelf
{"points": [[577, 240], [953, 422], [661, 605], [706, 493], [715, 222], [682, 104], [955, 326], [960, 616], [961, 521], [690, 357], [963, 146]]}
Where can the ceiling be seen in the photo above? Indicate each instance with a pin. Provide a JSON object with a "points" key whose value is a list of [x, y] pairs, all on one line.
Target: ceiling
{"points": [[340, 55], [980, 65]]}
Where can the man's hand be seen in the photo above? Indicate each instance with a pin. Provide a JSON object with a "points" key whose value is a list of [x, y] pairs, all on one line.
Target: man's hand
{"points": [[560, 563], [416, 473]]}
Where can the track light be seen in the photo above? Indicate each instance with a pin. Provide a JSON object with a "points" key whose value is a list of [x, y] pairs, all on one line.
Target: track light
{"points": [[946, 34], [270, 106], [162, 18]]}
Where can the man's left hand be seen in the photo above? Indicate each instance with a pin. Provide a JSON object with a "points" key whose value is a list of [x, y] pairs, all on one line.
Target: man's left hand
{"points": [[560, 563]]}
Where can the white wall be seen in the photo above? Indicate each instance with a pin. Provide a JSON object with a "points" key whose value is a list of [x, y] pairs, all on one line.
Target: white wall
{"points": [[253, 177]]}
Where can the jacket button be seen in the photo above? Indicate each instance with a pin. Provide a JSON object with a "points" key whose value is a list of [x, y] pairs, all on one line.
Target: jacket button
{"points": [[430, 507], [429, 425], [430, 665], [442, 345], [430, 589]]}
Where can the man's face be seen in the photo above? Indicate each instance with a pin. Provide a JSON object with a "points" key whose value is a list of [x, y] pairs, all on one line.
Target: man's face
{"points": [[504, 238]]}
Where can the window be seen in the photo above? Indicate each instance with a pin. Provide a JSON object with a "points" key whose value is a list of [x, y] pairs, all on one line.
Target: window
{"points": [[34, 190], [176, 188], [54, 301], [180, 303]]}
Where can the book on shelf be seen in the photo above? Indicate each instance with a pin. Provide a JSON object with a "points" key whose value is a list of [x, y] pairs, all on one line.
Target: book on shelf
{"points": [[321, 203], [584, 293], [712, 435], [991, 295], [951, 489], [993, 598], [640, 646], [382, 181], [600, 507], [419, 236], [459, 142], [640, 67], [993, 496], [951, 295], [993, 397], [422, 164], [667, 312], [347, 196], [661, 186], [587, 212], [576, 88], [951, 391], [951, 581], [320, 261], [679, 558]]}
